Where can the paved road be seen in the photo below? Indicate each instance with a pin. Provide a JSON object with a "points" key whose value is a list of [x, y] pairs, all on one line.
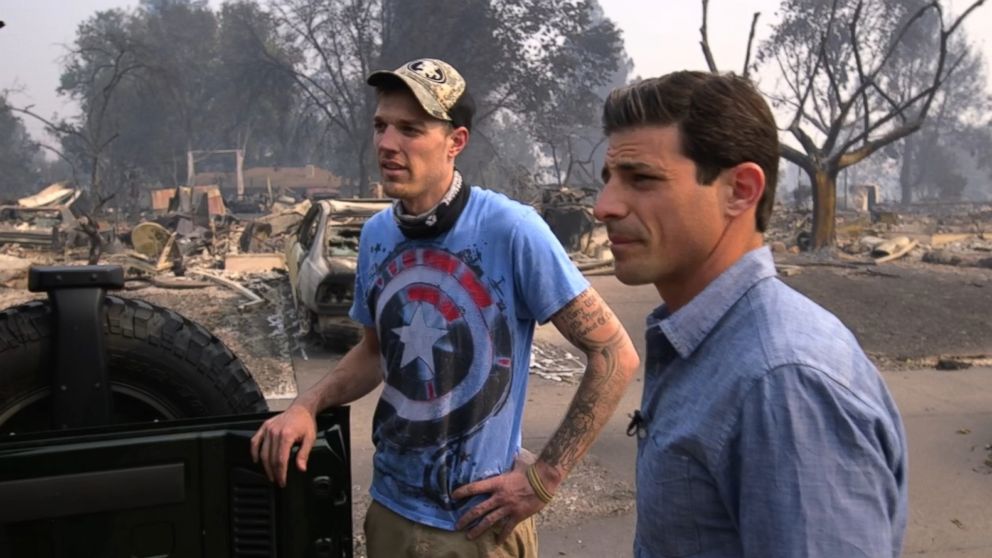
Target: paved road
{"points": [[948, 418]]}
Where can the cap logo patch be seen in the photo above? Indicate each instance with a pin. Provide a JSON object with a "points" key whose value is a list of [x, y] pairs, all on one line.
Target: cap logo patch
{"points": [[427, 69]]}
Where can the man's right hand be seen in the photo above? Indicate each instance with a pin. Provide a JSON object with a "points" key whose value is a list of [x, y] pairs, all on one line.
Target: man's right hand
{"points": [[275, 439], [355, 375]]}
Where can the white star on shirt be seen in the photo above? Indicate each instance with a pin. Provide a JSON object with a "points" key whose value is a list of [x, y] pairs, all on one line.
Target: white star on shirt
{"points": [[418, 339]]}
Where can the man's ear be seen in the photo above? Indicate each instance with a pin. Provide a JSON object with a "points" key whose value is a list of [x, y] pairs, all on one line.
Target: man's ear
{"points": [[746, 183], [459, 140]]}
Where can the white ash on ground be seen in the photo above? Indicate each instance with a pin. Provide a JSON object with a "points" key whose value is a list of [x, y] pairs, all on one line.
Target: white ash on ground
{"points": [[588, 491], [13, 297], [255, 334], [556, 364]]}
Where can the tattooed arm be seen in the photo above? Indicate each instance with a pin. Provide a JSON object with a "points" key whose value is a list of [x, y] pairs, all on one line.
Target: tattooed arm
{"points": [[588, 324]]}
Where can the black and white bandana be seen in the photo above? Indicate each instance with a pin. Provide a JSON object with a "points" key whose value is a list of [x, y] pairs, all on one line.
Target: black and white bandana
{"points": [[438, 219]]}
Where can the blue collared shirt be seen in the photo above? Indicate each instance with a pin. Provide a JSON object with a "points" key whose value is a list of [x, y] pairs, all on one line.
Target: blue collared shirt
{"points": [[768, 432]]}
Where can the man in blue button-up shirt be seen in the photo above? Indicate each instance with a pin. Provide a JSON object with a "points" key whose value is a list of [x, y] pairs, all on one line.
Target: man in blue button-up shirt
{"points": [[764, 430]]}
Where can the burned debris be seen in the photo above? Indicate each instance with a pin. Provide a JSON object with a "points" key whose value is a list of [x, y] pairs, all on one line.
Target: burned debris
{"points": [[284, 271], [186, 250], [50, 218], [568, 213], [945, 234]]}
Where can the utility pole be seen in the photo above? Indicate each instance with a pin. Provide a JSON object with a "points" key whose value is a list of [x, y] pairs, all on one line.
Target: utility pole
{"points": [[239, 157], [190, 167]]}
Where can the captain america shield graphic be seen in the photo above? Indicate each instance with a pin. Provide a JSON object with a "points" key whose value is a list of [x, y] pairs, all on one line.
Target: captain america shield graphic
{"points": [[446, 345]]}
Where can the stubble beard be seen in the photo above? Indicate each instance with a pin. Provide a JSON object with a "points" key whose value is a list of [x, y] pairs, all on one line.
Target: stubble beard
{"points": [[641, 268]]}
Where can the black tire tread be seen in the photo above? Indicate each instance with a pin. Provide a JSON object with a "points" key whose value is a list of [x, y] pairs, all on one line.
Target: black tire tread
{"points": [[154, 326]]}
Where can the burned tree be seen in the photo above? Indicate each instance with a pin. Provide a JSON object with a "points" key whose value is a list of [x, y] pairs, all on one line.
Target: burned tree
{"points": [[839, 64], [335, 45], [932, 161], [18, 155], [101, 60]]}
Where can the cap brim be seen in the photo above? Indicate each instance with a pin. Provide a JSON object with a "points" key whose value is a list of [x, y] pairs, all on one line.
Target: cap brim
{"points": [[382, 77], [426, 100]]}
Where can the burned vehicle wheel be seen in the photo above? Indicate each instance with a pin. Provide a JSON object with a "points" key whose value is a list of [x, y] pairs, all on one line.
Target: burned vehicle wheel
{"points": [[336, 334], [161, 366], [339, 338]]}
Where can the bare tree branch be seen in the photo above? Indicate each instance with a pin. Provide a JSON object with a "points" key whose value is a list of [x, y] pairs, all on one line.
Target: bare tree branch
{"points": [[851, 157], [705, 43], [795, 156], [868, 79], [804, 140], [820, 59], [856, 49], [750, 40]]}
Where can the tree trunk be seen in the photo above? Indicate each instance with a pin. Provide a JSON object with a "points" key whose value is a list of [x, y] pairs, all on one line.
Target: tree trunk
{"points": [[554, 160], [363, 170], [905, 176], [907, 180], [95, 179], [824, 183]]}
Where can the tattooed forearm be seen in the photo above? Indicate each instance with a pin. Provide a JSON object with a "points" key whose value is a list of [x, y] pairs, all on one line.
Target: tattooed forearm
{"points": [[588, 323], [594, 402], [581, 317]]}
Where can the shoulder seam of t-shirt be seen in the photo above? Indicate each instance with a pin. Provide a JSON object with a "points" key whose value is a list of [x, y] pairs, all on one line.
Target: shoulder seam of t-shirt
{"points": [[549, 310]]}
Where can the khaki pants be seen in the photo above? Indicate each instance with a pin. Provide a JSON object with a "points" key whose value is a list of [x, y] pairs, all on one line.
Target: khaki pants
{"points": [[389, 535]]}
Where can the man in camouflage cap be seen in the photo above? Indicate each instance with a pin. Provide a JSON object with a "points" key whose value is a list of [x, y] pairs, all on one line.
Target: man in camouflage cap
{"points": [[450, 284]]}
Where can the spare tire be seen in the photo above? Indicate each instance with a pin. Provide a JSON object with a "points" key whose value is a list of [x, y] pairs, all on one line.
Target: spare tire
{"points": [[160, 365]]}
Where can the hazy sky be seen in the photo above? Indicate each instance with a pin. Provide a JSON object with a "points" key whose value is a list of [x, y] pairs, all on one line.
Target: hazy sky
{"points": [[660, 35]]}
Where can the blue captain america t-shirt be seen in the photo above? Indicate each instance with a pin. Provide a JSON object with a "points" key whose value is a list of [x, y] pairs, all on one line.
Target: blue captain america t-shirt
{"points": [[455, 317]]}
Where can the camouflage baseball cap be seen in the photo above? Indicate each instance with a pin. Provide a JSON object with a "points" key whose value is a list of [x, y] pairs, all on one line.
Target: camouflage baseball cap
{"points": [[436, 85]]}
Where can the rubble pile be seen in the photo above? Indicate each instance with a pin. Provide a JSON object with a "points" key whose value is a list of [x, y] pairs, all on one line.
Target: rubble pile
{"points": [[187, 252], [929, 234], [267, 233], [568, 213]]}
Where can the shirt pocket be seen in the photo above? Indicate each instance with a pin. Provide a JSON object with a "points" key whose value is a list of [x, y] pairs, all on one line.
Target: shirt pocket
{"points": [[665, 510]]}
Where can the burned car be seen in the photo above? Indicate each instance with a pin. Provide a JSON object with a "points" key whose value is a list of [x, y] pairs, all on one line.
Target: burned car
{"points": [[46, 219], [321, 257]]}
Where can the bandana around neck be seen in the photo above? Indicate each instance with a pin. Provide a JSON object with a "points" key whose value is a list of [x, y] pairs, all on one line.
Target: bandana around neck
{"points": [[438, 219]]}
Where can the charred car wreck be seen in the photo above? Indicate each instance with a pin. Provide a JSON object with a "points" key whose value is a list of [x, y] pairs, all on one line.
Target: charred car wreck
{"points": [[321, 257], [49, 218]]}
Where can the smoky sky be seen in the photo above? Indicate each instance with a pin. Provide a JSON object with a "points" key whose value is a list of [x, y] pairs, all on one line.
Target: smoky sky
{"points": [[660, 36]]}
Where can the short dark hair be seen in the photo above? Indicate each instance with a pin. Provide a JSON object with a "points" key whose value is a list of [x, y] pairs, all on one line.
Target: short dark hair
{"points": [[461, 113], [722, 119]]}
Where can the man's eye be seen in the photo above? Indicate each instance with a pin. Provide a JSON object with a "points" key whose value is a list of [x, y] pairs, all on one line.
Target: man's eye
{"points": [[379, 127]]}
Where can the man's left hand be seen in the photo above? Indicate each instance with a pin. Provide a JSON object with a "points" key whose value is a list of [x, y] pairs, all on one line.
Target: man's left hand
{"points": [[511, 500]]}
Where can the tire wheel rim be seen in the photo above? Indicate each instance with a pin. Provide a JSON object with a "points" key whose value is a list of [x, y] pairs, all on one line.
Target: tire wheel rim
{"points": [[131, 404]]}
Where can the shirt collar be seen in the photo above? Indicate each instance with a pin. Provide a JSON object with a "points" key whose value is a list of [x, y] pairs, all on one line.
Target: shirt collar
{"points": [[690, 325]]}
